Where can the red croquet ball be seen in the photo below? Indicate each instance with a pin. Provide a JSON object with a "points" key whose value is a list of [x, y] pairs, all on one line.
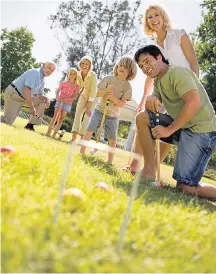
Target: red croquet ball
{"points": [[7, 149]]}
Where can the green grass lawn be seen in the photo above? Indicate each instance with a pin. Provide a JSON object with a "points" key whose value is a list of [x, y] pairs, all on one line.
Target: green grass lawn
{"points": [[168, 231]]}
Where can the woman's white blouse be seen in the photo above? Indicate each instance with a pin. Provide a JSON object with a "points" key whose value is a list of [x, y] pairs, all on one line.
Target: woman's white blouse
{"points": [[172, 50]]}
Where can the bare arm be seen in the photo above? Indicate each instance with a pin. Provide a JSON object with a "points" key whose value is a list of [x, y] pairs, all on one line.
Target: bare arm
{"points": [[189, 53], [76, 93], [57, 91], [43, 98], [148, 86], [118, 102], [113, 98], [101, 92], [27, 94], [191, 106]]}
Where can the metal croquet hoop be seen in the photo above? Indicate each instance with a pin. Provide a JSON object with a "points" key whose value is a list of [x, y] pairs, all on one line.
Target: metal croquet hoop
{"points": [[133, 195]]}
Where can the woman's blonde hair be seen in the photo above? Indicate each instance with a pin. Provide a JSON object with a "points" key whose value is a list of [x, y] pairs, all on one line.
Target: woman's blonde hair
{"points": [[88, 58], [129, 63], [69, 71], [165, 15]]}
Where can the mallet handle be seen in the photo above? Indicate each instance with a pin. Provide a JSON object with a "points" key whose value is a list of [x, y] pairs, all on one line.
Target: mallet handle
{"points": [[46, 123], [102, 121], [158, 152]]}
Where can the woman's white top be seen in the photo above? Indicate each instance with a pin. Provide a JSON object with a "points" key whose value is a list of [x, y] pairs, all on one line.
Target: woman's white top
{"points": [[172, 50]]}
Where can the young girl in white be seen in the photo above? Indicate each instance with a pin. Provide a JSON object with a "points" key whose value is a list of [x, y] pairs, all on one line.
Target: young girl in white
{"points": [[66, 93], [176, 48], [118, 91]]}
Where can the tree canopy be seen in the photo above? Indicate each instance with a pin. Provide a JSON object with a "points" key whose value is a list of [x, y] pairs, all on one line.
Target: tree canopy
{"points": [[205, 46], [16, 54], [103, 32]]}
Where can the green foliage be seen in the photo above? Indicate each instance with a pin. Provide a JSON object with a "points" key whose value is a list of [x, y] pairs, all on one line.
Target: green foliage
{"points": [[67, 123], [51, 109], [123, 129], [16, 54], [168, 232], [2, 98], [101, 31], [205, 46], [46, 90]]}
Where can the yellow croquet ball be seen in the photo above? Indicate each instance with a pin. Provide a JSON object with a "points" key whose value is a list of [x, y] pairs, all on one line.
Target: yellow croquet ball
{"points": [[74, 199]]}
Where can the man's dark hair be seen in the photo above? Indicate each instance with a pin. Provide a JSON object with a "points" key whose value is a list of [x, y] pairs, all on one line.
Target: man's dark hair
{"points": [[151, 50]]}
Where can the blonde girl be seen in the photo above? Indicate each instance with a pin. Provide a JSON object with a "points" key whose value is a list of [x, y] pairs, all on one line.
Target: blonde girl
{"points": [[66, 93]]}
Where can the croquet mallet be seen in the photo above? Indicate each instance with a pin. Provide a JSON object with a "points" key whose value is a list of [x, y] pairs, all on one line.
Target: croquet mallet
{"points": [[157, 182], [46, 123], [158, 153]]}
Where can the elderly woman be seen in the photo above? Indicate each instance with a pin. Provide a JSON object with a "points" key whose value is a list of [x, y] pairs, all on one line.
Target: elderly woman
{"points": [[87, 80]]}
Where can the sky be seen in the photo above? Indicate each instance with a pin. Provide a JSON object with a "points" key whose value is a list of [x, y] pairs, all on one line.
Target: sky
{"points": [[32, 14]]}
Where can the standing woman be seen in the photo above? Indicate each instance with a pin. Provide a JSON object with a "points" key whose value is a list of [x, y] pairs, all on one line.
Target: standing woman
{"points": [[87, 80], [176, 48], [173, 43]]}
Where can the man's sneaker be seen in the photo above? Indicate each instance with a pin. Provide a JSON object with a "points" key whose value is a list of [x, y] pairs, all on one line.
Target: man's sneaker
{"points": [[30, 127]]}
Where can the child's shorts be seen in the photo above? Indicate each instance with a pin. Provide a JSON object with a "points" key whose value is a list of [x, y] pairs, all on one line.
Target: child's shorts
{"points": [[110, 124], [194, 150], [66, 107]]}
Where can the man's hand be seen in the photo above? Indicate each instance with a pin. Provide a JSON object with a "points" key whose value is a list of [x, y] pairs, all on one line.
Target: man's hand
{"points": [[88, 109], [32, 110], [47, 103], [153, 104], [161, 132]]}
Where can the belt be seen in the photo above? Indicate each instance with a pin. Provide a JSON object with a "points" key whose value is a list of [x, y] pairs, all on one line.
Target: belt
{"points": [[17, 91]]}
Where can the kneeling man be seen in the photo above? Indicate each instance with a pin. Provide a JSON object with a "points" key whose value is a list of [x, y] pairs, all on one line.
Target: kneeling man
{"points": [[27, 90], [190, 122]]}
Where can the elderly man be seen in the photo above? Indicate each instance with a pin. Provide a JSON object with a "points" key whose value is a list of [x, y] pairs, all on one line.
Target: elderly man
{"points": [[27, 90], [190, 122]]}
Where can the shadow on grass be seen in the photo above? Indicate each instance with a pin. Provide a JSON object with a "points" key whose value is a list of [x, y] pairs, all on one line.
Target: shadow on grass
{"points": [[100, 164], [168, 195], [172, 196], [55, 139]]}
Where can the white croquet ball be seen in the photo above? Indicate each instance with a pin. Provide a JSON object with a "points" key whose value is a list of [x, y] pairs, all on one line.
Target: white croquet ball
{"points": [[103, 186], [153, 184], [156, 185]]}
